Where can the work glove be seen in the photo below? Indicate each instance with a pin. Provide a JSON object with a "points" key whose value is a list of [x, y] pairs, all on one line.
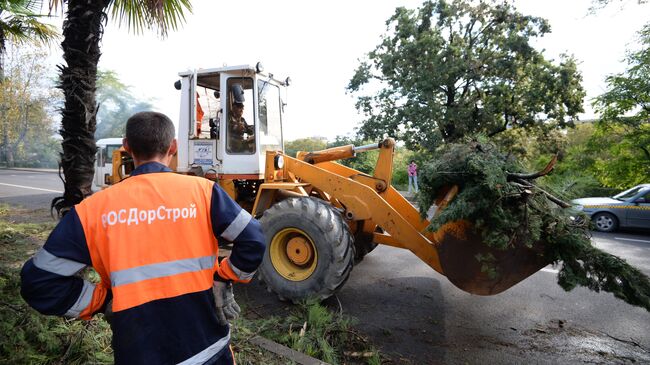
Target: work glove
{"points": [[227, 308]]}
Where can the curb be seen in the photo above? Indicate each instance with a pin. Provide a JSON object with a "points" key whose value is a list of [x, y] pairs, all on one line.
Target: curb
{"points": [[293, 355]]}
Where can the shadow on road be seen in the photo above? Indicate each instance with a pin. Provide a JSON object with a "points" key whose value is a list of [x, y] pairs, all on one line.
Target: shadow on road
{"points": [[31, 201], [404, 317]]}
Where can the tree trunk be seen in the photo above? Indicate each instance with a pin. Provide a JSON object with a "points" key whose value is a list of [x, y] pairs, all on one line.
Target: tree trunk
{"points": [[2, 53], [448, 128], [82, 33], [9, 156]]}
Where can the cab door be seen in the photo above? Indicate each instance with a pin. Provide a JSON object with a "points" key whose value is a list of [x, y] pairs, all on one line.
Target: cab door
{"points": [[187, 119], [270, 118], [239, 142]]}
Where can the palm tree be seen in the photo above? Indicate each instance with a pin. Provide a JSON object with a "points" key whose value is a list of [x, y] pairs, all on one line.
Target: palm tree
{"points": [[19, 23], [82, 32]]}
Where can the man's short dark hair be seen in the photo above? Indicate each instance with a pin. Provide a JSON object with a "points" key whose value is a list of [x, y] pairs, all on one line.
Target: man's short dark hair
{"points": [[149, 134]]}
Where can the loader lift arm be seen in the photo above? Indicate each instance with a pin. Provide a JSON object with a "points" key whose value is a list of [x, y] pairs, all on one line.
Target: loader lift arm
{"points": [[371, 201]]}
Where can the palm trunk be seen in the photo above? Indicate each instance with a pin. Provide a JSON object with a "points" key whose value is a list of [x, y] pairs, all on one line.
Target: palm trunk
{"points": [[82, 32]]}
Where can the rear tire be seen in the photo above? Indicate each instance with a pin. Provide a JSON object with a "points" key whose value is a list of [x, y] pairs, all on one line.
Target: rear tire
{"points": [[310, 250], [605, 222]]}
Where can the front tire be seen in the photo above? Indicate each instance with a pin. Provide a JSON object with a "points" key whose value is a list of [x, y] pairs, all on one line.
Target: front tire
{"points": [[605, 222], [310, 250], [364, 244]]}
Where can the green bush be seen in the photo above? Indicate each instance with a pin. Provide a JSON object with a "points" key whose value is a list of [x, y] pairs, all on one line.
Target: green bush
{"points": [[27, 337]]}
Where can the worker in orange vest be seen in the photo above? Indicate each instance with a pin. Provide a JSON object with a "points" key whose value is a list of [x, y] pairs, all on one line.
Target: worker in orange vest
{"points": [[152, 239]]}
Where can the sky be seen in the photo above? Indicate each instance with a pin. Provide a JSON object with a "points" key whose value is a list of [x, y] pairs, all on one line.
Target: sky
{"points": [[319, 44]]}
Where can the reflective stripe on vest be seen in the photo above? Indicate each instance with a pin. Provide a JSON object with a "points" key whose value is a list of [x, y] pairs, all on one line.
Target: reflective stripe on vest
{"points": [[84, 300], [237, 226], [160, 270], [90, 298], [57, 265], [208, 353], [150, 237], [229, 271]]}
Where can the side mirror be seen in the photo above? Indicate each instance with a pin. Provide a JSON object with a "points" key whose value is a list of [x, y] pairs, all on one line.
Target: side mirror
{"points": [[640, 200]]}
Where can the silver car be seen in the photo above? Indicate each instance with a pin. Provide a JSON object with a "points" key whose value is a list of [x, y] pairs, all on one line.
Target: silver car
{"points": [[630, 208]]}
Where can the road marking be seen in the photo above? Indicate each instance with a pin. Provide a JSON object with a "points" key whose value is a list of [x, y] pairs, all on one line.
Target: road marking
{"points": [[630, 239], [29, 187], [550, 270]]}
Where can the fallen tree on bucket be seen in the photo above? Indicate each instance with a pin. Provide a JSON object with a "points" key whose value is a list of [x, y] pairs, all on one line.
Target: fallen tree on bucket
{"points": [[509, 208]]}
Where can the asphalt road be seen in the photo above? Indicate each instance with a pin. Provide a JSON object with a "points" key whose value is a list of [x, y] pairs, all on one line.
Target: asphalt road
{"points": [[32, 189], [415, 316]]}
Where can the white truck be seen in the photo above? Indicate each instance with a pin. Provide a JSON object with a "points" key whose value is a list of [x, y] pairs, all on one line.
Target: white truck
{"points": [[104, 160]]}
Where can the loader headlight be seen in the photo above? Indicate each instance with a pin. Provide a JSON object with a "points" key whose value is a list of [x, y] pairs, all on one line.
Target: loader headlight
{"points": [[278, 162]]}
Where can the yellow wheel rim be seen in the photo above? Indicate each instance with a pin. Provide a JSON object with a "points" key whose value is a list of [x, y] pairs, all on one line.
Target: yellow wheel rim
{"points": [[293, 254]]}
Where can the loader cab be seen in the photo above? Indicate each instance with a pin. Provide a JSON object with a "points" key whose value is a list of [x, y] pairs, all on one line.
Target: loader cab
{"points": [[104, 160], [229, 118]]}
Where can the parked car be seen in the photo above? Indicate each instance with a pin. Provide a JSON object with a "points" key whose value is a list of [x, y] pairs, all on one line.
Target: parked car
{"points": [[630, 208]]}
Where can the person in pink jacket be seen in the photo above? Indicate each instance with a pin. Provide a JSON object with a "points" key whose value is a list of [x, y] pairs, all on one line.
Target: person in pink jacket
{"points": [[413, 176]]}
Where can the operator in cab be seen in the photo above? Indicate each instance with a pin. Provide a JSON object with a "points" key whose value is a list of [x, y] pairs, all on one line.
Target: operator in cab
{"points": [[152, 239], [241, 135]]}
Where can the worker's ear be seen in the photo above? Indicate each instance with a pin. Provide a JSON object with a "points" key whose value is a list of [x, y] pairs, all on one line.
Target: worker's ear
{"points": [[173, 148], [125, 144]]}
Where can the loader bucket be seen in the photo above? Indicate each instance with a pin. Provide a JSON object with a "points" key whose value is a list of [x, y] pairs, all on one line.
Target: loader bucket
{"points": [[476, 268]]}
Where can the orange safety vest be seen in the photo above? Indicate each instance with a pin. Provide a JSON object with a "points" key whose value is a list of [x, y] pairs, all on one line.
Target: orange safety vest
{"points": [[150, 237]]}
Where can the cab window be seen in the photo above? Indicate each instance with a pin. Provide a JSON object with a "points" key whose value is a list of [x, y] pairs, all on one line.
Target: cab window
{"points": [[270, 116], [208, 105], [240, 118], [105, 154]]}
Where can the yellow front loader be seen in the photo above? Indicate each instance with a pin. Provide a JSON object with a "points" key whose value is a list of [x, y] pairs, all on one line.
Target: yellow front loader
{"points": [[319, 217]]}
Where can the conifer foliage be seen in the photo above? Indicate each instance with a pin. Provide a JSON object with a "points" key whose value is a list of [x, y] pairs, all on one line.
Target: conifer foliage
{"points": [[509, 208]]}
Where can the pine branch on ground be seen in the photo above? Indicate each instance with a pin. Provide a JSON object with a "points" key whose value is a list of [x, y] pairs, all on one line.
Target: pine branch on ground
{"points": [[314, 330], [509, 208]]}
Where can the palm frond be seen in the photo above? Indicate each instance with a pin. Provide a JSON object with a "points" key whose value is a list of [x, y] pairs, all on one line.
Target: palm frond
{"points": [[24, 7], [55, 5], [158, 15], [45, 33], [21, 23]]}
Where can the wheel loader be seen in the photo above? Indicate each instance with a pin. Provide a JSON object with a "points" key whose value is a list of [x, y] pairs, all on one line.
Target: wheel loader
{"points": [[319, 217]]}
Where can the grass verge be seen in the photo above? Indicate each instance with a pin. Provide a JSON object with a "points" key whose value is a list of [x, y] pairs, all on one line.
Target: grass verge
{"points": [[27, 337]]}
